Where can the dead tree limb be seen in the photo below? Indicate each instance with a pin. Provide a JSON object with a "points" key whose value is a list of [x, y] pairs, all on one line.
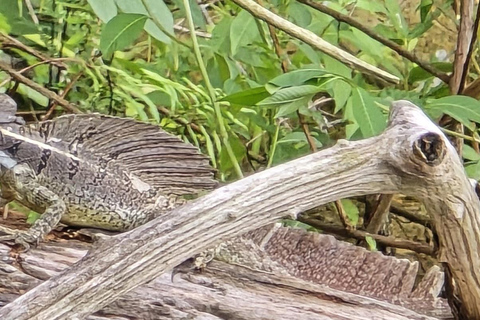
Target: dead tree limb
{"points": [[412, 157], [328, 275]]}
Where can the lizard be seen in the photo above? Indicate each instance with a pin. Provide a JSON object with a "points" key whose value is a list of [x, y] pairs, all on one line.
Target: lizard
{"points": [[93, 170]]}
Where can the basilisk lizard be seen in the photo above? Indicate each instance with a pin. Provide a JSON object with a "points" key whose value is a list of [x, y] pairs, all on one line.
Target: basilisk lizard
{"points": [[93, 170]]}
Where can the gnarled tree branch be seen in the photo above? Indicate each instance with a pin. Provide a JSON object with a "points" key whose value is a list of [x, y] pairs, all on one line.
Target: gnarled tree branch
{"points": [[412, 157]]}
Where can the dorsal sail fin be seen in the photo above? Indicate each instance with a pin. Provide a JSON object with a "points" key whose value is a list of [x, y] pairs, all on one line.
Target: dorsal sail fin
{"points": [[149, 155]]}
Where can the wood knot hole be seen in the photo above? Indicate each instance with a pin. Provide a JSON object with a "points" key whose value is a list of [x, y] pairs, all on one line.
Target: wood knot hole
{"points": [[430, 148]]}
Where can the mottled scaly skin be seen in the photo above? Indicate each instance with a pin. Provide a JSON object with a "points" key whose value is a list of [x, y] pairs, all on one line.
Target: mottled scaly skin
{"points": [[115, 174]]}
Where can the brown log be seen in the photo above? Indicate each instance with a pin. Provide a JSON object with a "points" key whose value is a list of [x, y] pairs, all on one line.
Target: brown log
{"points": [[412, 157]]}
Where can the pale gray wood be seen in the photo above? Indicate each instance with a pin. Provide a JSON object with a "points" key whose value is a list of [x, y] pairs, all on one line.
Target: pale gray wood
{"points": [[233, 291], [385, 164]]}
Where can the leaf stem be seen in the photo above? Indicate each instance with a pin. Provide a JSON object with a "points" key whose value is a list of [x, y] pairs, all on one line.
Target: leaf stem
{"points": [[211, 91], [460, 135], [274, 145]]}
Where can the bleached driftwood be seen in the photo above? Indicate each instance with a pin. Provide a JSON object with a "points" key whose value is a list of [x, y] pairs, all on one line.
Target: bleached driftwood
{"points": [[256, 282], [412, 156]]}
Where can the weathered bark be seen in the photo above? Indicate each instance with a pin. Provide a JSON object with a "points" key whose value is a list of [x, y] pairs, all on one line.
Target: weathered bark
{"points": [[252, 286], [412, 156]]}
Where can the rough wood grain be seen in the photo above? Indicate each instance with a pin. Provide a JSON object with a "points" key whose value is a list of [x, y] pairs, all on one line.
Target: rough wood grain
{"points": [[412, 156], [258, 288]]}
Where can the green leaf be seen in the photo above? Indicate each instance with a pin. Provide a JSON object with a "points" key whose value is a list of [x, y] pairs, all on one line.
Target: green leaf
{"points": [[462, 108], [4, 25], [352, 211], [220, 41], [300, 14], [104, 9], [197, 15], [288, 95], [247, 97], [243, 31], [341, 93], [396, 17], [473, 170], [292, 106], [367, 115], [120, 32], [157, 9], [32, 216], [17, 17], [299, 77], [425, 7], [469, 153], [296, 137], [419, 74], [372, 244]]}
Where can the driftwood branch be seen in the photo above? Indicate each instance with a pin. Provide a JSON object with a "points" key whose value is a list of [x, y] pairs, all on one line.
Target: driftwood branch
{"points": [[315, 41], [328, 275], [412, 157]]}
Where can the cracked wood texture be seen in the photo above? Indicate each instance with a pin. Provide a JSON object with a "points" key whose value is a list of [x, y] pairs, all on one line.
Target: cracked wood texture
{"points": [[246, 284], [412, 157]]}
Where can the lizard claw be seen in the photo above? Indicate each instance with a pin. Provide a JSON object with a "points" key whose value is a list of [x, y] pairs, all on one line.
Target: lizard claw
{"points": [[22, 238]]}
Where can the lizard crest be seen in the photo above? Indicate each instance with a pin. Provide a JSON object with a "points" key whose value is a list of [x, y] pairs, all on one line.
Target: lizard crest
{"points": [[94, 170]]}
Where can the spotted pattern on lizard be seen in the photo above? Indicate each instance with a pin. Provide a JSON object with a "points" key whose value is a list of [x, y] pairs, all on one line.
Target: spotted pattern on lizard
{"points": [[94, 171]]}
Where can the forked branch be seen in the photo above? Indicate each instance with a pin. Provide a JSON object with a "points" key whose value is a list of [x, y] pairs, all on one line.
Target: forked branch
{"points": [[412, 157]]}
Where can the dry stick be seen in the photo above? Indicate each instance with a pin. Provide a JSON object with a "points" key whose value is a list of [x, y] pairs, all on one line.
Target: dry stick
{"points": [[409, 215], [360, 235], [63, 95], [460, 65], [372, 34], [473, 39], [35, 86], [412, 156], [464, 90], [464, 40], [380, 213], [8, 41], [312, 39]]}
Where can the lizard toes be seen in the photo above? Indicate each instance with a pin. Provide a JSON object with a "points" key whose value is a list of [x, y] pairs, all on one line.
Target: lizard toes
{"points": [[21, 238]]}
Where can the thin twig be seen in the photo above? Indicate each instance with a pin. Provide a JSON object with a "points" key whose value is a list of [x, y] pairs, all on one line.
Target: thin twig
{"points": [[374, 35], [35, 86], [470, 51], [63, 95], [360, 235], [31, 11], [202, 34], [464, 40], [380, 214], [49, 61], [8, 41]]}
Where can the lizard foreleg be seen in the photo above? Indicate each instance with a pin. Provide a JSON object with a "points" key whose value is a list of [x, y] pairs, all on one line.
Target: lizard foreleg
{"points": [[30, 192]]}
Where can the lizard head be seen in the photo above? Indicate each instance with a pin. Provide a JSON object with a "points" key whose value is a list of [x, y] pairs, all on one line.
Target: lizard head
{"points": [[8, 107], [8, 121]]}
